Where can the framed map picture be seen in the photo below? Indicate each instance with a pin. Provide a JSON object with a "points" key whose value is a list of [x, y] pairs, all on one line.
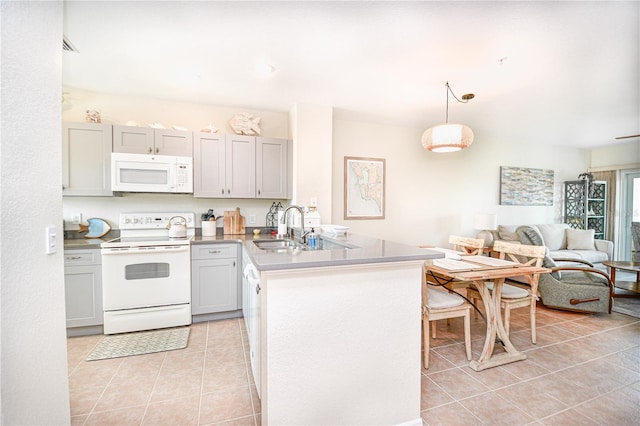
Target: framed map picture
{"points": [[364, 188]]}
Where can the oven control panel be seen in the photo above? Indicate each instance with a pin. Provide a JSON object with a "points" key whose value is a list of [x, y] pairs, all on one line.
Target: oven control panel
{"points": [[153, 220]]}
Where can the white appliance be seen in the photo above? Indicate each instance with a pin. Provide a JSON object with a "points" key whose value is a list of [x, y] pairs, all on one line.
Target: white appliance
{"points": [[151, 173], [146, 274]]}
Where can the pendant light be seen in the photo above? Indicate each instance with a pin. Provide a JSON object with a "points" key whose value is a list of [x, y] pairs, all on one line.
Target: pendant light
{"points": [[449, 137]]}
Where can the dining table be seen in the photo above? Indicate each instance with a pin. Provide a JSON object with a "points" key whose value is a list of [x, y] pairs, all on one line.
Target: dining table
{"points": [[478, 271]]}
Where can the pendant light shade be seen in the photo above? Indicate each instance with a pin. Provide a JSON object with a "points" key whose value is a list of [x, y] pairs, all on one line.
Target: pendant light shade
{"points": [[449, 137]]}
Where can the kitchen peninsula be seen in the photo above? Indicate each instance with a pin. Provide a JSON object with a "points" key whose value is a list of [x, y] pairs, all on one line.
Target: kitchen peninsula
{"points": [[339, 332]]}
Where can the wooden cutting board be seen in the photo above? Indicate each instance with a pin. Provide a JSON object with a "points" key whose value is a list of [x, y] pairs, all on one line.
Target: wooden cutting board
{"points": [[233, 222]]}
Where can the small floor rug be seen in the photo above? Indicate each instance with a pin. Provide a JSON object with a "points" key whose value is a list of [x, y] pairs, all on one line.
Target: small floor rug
{"points": [[139, 343]]}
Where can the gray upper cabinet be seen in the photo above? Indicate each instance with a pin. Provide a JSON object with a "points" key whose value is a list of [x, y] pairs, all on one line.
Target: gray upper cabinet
{"points": [[145, 140], [86, 159], [272, 168], [241, 166], [209, 165], [232, 166], [224, 166]]}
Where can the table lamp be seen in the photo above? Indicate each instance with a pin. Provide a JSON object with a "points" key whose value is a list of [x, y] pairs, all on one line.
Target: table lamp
{"points": [[485, 222]]}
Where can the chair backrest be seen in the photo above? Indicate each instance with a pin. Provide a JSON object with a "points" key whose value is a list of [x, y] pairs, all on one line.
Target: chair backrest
{"points": [[474, 246], [525, 254], [521, 253]]}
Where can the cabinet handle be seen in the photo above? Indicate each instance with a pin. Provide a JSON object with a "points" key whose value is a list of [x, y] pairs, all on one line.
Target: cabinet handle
{"points": [[150, 150], [228, 191], [258, 192], [222, 191], [157, 150], [258, 288], [214, 251], [234, 263], [73, 257]]}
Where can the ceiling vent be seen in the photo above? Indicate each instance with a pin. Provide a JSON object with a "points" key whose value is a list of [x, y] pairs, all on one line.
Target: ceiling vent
{"points": [[67, 46]]}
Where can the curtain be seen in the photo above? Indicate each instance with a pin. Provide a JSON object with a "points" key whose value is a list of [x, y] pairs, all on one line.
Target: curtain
{"points": [[609, 177]]}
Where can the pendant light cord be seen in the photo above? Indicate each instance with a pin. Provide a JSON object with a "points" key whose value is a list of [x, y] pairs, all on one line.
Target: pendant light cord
{"points": [[464, 101]]}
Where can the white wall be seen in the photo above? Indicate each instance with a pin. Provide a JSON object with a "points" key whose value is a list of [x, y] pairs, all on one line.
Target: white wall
{"points": [[311, 131], [430, 196], [33, 360], [625, 154]]}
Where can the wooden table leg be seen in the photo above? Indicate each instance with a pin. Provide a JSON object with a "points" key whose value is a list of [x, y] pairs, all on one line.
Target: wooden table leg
{"points": [[495, 327]]}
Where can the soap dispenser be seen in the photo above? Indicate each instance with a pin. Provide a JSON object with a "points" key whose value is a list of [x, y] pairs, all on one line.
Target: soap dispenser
{"points": [[312, 239]]}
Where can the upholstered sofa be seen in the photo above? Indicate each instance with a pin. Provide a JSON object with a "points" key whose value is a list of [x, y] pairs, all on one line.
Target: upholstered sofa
{"points": [[564, 242], [569, 286]]}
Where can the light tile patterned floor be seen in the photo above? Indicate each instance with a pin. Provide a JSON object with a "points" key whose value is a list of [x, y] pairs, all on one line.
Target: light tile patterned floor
{"points": [[585, 370]]}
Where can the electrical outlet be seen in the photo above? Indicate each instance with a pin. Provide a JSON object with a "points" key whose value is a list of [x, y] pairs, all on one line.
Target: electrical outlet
{"points": [[76, 218], [252, 219]]}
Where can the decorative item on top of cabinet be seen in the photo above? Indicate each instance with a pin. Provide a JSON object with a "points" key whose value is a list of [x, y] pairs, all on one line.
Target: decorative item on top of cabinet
{"points": [[209, 129], [86, 159], [245, 124], [146, 140]]}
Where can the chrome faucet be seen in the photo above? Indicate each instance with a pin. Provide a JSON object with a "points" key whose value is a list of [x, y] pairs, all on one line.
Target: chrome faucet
{"points": [[284, 220]]}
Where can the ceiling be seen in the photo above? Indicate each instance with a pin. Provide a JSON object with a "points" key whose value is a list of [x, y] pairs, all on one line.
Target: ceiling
{"points": [[563, 73]]}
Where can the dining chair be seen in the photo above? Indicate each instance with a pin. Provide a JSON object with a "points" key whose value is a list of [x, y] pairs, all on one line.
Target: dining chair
{"points": [[514, 296], [471, 246], [439, 304]]}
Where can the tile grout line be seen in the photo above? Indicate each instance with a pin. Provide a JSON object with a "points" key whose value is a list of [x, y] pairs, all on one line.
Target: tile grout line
{"points": [[204, 366]]}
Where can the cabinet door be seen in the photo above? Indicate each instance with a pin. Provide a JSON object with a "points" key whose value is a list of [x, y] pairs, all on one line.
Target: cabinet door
{"points": [[134, 140], [240, 166], [173, 142], [83, 295], [271, 168], [214, 286], [86, 159], [208, 165], [254, 333]]}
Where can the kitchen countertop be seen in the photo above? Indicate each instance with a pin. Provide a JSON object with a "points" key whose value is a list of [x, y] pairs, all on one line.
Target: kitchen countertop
{"points": [[367, 250]]}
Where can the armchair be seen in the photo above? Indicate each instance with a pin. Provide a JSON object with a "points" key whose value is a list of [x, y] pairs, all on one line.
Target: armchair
{"points": [[576, 288]]}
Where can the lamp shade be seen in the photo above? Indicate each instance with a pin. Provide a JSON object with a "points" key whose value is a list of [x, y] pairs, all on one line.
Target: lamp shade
{"points": [[447, 137]]}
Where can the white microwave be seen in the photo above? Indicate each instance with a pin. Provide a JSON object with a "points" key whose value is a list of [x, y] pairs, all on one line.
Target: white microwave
{"points": [[151, 173]]}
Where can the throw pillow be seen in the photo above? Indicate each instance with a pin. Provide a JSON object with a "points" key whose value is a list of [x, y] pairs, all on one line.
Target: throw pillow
{"points": [[531, 236], [554, 235], [581, 239], [508, 233]]}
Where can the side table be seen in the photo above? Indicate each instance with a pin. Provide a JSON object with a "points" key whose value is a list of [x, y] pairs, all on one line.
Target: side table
{"points": [[625, 266]]}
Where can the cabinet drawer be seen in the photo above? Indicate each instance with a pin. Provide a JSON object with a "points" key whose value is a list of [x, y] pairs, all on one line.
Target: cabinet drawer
{"points": [[82, 257], [214, 251]]}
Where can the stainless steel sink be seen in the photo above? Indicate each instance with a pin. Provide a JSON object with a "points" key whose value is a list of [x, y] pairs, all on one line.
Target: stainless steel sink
{"points": [[284, 245], [277, 244]]}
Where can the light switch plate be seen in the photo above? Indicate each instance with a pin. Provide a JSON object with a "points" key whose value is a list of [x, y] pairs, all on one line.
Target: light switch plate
{"points": [[51, 239]]}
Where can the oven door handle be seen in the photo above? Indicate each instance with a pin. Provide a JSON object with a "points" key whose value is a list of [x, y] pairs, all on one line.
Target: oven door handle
{"points": [[148, 249]]}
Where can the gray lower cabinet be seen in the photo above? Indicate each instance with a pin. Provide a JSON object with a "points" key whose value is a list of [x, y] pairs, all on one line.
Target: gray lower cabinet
{"points": [[214, 278], [83, 288]]}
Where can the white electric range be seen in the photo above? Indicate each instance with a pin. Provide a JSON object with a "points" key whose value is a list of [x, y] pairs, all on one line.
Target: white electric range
{"points": [[146, 275]]}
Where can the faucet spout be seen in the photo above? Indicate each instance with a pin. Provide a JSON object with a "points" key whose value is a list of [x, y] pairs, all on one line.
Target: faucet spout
{"points": [[285, 221]]}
